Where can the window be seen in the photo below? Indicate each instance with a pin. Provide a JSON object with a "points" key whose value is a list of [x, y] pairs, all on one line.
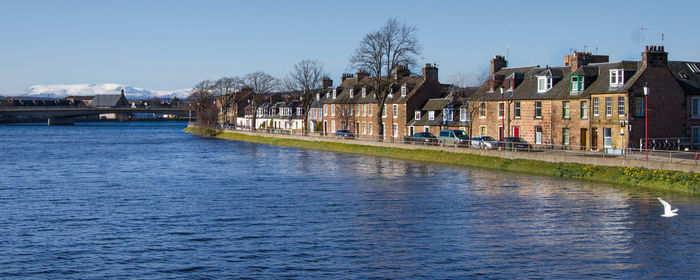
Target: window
{"points": [[584, 109], [334, 91], [325, 110], [621, 106], [417, 115], [608, 106], [333, 126], [364, 110], [617, 78], [404, 89], [447, 115], [342, 109], [695, 107], [384, 110], [352, 93], [538, 109], [482, 130], [364, 92], [431, 115], [639, 106], [482, 110], [566, 136], [501, 110], [696, 135], [350, 108], [607, 137], [395, 110], [369, 127], [510, 85], [333, 110], [577, 83], [370, 109], [396, 130], [566, 109], [463, 115], [595, 106], [516, 109], [544, 83]]}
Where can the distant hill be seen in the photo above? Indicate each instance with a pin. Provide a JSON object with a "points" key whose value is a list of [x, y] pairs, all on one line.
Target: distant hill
{"points": [[132, 93]]}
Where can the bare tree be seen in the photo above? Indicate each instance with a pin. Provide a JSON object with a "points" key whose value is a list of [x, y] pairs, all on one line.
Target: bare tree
{"points": [[379, 54], [226, 91], [306, 79], [262, 85], [204, 102], [464, 87]]}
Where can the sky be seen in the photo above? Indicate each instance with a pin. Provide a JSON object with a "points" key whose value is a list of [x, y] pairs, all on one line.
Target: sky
{"points": [[175, 44]]}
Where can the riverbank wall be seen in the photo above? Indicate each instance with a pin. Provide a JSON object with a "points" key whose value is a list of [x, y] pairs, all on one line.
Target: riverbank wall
{"points": [[632, 173]]}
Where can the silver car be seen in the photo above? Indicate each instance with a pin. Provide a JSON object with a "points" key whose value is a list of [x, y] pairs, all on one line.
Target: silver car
{"points": [[484, 142]]}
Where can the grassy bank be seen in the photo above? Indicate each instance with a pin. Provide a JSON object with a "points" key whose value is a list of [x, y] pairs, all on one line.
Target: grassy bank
{"points": [[632, 177]]}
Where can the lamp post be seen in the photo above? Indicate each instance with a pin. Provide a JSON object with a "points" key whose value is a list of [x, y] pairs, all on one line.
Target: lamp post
{"points": [[646, 122], [503, 116]]}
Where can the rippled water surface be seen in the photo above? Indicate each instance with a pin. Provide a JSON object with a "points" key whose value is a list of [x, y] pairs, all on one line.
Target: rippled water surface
{"points": [[145, 200]]}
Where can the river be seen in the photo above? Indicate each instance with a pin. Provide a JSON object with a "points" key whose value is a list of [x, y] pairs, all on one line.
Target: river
{"points": [[146, 200]]}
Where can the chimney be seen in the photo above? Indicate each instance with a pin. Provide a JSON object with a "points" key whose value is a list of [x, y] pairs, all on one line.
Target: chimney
{"points": [[345, 76], [326, 82], [401, 71], [654, 56], [579, 59], [361, 75], [430, 72], [497, 63]]}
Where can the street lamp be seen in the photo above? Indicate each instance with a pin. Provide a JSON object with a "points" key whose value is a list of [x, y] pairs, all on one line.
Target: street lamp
{"points": [[646, 121], [503, 116]]}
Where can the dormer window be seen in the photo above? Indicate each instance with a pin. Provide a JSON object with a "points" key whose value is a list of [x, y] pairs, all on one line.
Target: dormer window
{"points": [[510, 84], [318, 96], [352, 93], [544, 83], [431, 115], [617, 78], [447, 115], [334, 92], [417, 115], [364, 92], [577, 83], [404, 89], [328, 94]]}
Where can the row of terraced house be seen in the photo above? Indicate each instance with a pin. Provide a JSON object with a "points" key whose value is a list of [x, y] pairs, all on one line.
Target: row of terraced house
{"points": [[589, 103]]}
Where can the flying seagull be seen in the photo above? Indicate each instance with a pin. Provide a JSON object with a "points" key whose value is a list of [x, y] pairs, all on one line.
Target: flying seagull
{"points": [[667, 209]]}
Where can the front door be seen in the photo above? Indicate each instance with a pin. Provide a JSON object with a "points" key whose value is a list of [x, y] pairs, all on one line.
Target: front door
{"points": [[584, 137], [594, 139], [516, 131], [538, 135]]}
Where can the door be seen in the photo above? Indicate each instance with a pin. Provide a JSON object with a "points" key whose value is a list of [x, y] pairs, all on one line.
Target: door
{"points": [[516, 131], [410, 131], [584, 137], [607, 137], [538, 135], [594, 139]]}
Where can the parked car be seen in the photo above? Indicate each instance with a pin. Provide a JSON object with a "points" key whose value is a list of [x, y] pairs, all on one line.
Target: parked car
{"points": [[484, 142], [514, 143], [344, 134], [426, 138], [454, 137]]}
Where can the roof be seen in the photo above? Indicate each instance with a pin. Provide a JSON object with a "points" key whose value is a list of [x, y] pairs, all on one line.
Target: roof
{"points": [[109, 100], [686, 75]]}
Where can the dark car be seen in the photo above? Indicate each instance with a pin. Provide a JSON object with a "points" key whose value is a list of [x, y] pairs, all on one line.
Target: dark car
{"points": [[423, 138], [514, 143], [344, 134]]}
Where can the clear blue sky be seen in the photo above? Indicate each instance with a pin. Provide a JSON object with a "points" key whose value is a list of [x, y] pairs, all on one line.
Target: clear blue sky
{"points": [[175, 44]]}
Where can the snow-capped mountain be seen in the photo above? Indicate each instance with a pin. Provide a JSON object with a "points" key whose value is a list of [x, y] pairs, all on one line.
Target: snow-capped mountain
{"points": [[132, 93]]}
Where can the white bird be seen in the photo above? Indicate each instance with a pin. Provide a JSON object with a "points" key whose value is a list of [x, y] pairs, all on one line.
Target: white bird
{"points": [[667, 209]]}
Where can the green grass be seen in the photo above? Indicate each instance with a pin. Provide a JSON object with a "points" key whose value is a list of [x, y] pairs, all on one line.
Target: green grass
{"points": [[631, 177]]}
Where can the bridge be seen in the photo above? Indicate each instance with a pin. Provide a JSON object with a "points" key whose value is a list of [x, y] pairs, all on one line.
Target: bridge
{"points": [[68, 115]]}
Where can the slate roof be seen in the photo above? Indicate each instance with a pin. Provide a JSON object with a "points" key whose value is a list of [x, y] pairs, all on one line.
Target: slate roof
{"points": [[109, 100], [686, 77], [343, 91], [596, 81]]}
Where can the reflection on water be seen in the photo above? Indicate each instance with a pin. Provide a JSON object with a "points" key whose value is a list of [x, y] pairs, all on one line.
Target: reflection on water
{"points": [[148, 201]]}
